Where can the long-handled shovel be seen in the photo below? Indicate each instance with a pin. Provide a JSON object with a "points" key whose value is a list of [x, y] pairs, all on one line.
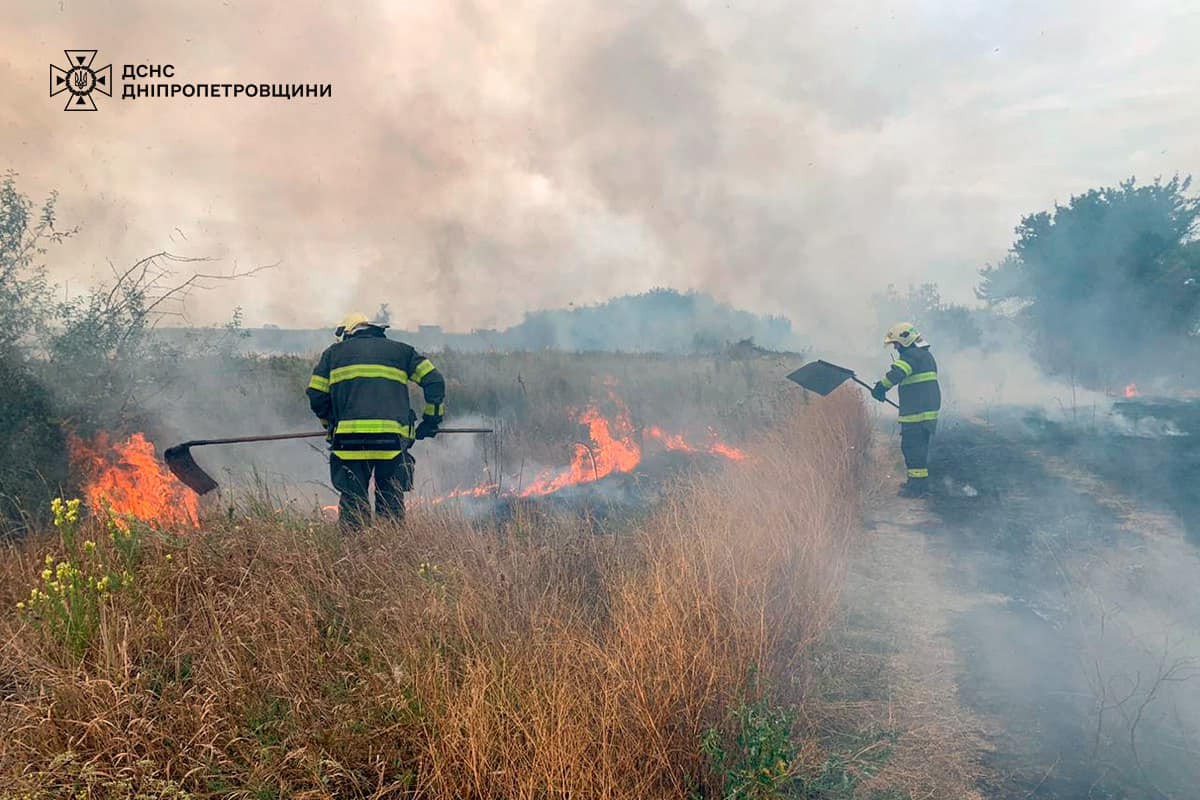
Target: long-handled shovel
{"points": [[179, 458], [822, 377]]}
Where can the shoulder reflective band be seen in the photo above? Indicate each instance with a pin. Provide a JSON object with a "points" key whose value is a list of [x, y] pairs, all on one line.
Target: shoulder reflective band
{"points": [[372, 426], [920, 377], [904, 366], [367, 371], [423, 369], [367, 455], [318, 383], [924, 416]]}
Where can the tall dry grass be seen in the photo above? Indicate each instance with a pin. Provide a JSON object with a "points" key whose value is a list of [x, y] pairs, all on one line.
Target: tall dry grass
{"points": [[269, 658]]}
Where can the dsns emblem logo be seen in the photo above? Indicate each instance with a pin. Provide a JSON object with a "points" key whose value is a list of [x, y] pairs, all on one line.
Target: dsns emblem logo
{"points": [[80, 80]]}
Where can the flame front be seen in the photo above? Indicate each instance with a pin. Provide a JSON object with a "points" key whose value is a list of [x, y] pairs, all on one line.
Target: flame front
{"points": [[673, 441], [612, 449], [127, 478], [1131, 391]]}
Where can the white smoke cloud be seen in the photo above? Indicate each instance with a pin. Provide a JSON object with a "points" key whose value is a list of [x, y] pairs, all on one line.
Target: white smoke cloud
{"points": [[479, 159]]}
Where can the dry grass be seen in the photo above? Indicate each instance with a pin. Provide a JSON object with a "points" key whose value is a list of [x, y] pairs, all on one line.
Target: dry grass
{"points": [[268, 658]]}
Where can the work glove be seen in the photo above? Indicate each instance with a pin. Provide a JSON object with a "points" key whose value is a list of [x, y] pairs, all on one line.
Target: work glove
{"points": [[429, 426], [328, 430], [879, 391]]}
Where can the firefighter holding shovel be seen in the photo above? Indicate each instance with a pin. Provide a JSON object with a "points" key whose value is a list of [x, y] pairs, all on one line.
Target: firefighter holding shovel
{"points": [[359, 391], [914, 372]]}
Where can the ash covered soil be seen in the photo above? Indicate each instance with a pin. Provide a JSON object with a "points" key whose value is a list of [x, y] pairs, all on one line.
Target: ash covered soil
{"points": [[1073, 547]]}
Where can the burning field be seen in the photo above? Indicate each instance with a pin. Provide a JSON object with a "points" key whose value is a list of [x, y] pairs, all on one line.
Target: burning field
{"points": [[614, 447], [127, 478], [213, 652], [611, 594]]}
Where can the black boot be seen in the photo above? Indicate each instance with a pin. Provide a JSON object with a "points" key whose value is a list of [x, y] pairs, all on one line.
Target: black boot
{"points": [[915, 487]]}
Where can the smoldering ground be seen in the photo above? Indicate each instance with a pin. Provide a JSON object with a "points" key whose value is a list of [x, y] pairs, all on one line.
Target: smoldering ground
{"points": [[1076, 634]]}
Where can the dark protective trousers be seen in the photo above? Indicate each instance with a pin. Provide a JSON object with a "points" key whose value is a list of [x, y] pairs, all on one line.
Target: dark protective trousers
{"points": [[915, 438], [352, 479]]}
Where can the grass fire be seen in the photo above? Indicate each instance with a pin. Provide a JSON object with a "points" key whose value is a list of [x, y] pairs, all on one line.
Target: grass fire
{"points": [[630, 401], [127, 478]]}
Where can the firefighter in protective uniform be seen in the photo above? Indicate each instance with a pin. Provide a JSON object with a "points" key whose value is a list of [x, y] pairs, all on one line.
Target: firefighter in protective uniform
{"points": [[914, 371], [359, 391]]}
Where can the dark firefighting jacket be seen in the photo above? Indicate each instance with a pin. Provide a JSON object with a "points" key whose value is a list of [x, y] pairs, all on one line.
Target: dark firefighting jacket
{"points": [[359, 388], [915, 372]]}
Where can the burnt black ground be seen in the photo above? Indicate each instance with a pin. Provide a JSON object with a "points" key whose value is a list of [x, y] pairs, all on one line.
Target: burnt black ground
{"points": [[1006, 526], [1149, 447]]}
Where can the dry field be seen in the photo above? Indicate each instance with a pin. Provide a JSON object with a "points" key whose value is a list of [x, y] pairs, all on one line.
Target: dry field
{"points": [[263, 656]]}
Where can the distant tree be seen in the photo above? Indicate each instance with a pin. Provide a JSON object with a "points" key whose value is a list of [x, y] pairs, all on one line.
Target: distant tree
{"points": [[946, 324], [1114, 273], [384, 314], [32, 447], [660, 320], [25, 232]]}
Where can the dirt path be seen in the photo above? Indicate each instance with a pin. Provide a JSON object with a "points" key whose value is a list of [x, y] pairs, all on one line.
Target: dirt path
{"points": [[1054, 617], [905, 605]]}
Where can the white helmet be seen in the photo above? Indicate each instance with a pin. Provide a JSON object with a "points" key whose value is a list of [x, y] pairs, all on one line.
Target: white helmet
{"points": [[904, 334]]}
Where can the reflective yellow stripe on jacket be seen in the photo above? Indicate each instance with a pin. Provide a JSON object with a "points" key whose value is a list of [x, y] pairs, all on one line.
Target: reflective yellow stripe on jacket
{"points": [[920, 377], [319, 383], [373, 426], [422, 369], [367, 371], [904, 367], [367, 455]]}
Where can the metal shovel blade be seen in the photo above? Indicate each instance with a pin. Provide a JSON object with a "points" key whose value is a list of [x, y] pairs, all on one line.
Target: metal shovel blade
{"points": [[821, 376], [179, 460]]}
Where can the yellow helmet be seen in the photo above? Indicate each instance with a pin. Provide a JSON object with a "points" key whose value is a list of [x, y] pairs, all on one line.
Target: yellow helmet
{"points": [[904, 334], [355, 321]]}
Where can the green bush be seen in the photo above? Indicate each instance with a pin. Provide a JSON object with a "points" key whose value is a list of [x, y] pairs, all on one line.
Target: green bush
{"points": [[759, 762]]}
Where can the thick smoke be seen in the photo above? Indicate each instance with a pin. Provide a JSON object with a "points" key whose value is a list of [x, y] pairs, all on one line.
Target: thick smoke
{"points": [[481, 159]]}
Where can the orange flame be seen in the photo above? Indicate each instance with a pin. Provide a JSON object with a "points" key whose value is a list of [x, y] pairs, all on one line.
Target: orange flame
{"points": [[481, 490], [612, 449], [128, 478], [1131, 390], [676, 442]]}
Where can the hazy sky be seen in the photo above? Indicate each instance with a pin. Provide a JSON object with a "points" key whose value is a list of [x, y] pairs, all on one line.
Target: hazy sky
{"points": [[478, 159]]}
